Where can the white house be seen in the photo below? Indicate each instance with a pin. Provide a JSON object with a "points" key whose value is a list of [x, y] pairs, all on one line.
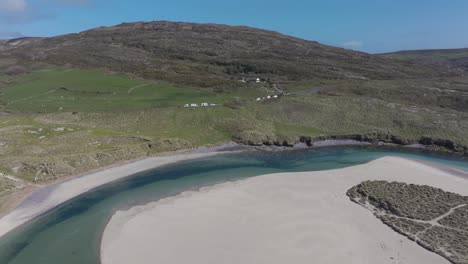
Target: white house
{"points": [[186, 105], [193, 105], [275, 96], [259, 99], [268, 97], [205, 104], [251, 79]]}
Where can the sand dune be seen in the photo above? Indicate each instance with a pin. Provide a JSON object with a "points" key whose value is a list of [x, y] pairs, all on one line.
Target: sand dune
{"points": [[278, 218]]}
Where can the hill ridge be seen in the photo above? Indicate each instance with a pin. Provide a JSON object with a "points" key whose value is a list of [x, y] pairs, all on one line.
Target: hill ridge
{"points": [[209, 55]]}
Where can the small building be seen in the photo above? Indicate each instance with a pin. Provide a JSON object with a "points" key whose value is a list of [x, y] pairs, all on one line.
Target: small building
{"points": [[268, 97], [259, 99], [275, 96], [251, 79], [193, 105], [186, 105], [205, 104]]}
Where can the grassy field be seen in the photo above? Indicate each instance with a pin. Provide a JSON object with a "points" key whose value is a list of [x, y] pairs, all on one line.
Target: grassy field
{"points": [[74, 90]]}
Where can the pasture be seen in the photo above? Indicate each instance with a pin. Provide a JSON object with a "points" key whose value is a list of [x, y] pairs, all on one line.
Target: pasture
{"points": [[73, 90]]}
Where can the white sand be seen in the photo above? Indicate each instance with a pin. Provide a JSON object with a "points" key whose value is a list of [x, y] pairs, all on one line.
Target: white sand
{"points": [[278, 218], [52, 195]]}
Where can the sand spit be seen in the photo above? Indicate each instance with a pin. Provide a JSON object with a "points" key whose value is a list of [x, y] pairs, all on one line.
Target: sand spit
{"points": [[278, 218]]}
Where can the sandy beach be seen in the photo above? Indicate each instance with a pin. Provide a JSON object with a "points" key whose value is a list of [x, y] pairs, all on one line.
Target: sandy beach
{"points": [[52, 195], [277, 218]]}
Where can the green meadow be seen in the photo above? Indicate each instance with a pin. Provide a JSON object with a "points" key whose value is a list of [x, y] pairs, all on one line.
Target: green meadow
{"points": [[75, 90]]}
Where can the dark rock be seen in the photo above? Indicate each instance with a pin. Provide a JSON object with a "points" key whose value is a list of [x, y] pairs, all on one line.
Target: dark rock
{"points": [[399, 140], [254, 138], [426, 140]]}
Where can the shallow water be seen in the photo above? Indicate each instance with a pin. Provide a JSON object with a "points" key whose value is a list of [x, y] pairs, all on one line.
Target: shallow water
{"points": [[71, 233]]}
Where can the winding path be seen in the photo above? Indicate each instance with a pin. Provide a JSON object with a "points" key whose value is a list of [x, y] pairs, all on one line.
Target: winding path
{"points": [[138, 86]]}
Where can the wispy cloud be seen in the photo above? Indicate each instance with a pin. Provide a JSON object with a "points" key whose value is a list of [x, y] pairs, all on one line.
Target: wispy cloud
{"points": [[353, 44], [13, 5], [24, 17], [22, 12]]}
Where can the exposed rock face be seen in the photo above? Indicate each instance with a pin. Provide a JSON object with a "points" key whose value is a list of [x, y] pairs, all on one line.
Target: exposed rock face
{"points": [[435, 219], [255, 138]]}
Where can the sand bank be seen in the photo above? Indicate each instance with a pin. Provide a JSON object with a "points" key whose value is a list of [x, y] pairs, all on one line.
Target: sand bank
{"points": [[278, 218], [48, 197]]}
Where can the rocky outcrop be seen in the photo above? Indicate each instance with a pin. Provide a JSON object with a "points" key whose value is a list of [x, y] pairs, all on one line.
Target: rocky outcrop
{"points": [[435, 219], [443, 143], [434, 144], [256, 138]]}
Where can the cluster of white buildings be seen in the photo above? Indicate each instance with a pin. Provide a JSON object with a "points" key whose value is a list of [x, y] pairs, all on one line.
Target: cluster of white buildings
{"points": [[267, 97], [199, 105]]}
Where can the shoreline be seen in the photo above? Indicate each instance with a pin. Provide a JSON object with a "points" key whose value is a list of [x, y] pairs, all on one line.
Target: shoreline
{"points": [[33, 194], [446, 169], [270, 203], [20, 196], [28, 198], [34, 201]]}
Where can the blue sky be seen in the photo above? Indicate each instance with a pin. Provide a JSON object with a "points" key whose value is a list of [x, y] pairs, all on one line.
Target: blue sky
{"points": [[366, 25]]}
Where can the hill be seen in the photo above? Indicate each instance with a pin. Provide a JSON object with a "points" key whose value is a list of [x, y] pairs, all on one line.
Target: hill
{"points": [[450, 58], [206, 55]]}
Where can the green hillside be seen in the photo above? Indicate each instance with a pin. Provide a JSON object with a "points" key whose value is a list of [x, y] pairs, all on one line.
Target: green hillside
{"points": [[71, 90]]}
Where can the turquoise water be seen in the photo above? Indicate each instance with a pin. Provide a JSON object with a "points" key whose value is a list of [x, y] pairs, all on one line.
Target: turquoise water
{"points": [[71, 233]]}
